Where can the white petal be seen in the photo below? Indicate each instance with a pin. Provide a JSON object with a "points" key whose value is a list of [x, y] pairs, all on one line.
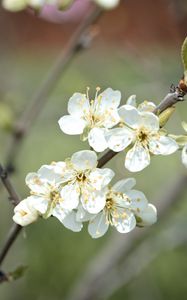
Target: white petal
{"points": [[93, 202], [37, 185], [99, 178], [119, 138], [24, 213], [70, 222], [78, 105], [150, 121], [46, 173], [84, 160], [82, 215], [71, 125], [98, 226], [124, 185], [148, 216], [132, 100], [111, 118], [40, 204], [163, 145], [61, 168], [59, 212], [137, 158], [96, 139], [184, 155], [107, 4], [126, 223], [138, 200], [70, 196], [130, 115], [108, 99], [146, 106]]}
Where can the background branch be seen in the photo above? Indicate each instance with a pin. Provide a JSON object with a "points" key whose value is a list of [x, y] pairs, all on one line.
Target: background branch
{"points": [[77, 42]]}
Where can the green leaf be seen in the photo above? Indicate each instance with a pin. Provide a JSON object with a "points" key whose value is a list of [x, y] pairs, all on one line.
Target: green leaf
{"points": [[17, 273], [184, 58]]}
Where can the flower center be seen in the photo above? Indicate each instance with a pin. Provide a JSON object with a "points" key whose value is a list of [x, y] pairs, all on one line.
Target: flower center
{"points": [[109, 204], [81, 177], [54, 196], [143, 135]]}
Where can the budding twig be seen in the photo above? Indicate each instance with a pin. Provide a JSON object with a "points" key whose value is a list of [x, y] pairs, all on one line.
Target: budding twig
{"points": [[77, 42]]}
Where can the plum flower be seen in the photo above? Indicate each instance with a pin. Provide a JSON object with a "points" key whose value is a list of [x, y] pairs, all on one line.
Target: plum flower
{"points": [[83, 183], [124, 209], [108, 4], [46, 198], [184, 150], [25, 213], [140, 131], [92, 118], [144, 106]]}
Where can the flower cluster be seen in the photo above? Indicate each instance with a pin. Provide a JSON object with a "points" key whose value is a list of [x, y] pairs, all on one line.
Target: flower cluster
{"points": [[136, 129], [76, 191], [17, 5]]}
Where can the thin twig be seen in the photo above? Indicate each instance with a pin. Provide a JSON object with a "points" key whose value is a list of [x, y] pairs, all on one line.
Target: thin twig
{"points": [[15, 199], [76, 43], [90, 285]]}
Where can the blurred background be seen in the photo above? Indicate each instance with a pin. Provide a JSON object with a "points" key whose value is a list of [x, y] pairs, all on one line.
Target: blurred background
{"points": [[136, 50]]}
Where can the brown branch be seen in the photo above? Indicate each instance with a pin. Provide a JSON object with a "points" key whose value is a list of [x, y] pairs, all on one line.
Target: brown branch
{"points": [[77, 42], [15, 199], [90, 286]]}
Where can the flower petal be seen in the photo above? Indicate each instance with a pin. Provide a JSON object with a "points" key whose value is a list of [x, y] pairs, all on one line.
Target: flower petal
{"points": [[146, 106], [84, 160], [124, 185], [163, 145], [40, 204], [71, 125], [150, 121], [82, 215], [47, 174], [148, 216], [126, 223], [130, 115], [138, 201], [70, 196], [96, 139], [184, 155], [137, 158], [98, 226], [71, 223], [36, 185], [24, 213], [59, 213], [99, 178], [93, 202], [78, 105], [109, 98], [119, 138], [132, 100]]}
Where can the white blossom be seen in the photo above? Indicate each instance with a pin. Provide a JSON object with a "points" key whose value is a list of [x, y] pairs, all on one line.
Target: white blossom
{"points": [[92, 118], [144, 106], [184, 150], [141, 133], [25, 213], [108, 4], [83, 183], [124, 209]]}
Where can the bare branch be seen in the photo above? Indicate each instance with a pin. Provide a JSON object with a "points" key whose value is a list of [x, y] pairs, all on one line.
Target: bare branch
{"points": [[76, 43]]}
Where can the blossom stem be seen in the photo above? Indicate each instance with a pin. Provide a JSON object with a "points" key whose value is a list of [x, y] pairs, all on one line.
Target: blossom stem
{"points": [[77, 42]]}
